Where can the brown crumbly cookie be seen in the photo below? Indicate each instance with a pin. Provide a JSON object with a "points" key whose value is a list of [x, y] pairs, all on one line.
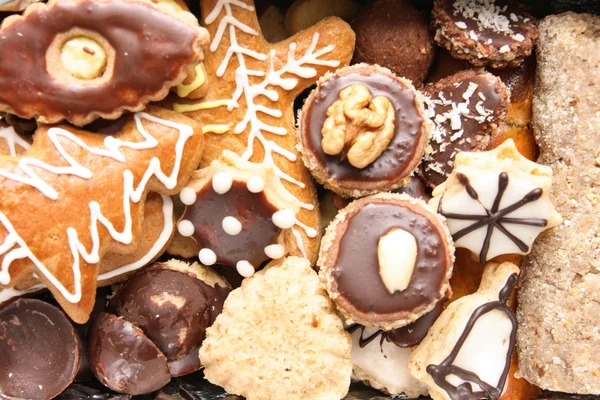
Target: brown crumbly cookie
{"points": [[279, 338], [90, 192], [466, 109], [559, 301], [395, 35], [374, 270], [363, 130], [93, 58], [498, 33], [248, 108]]}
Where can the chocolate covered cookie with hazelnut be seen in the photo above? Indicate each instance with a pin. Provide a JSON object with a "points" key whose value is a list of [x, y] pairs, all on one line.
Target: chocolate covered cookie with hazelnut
{"points": [[363, 130], [387, 260]]}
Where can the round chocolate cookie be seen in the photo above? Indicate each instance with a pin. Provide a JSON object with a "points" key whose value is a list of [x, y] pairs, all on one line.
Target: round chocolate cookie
{"points": [[123, 358], [39, 350], [363, 130], [466, 110], [497, 33], [395, 35], [387, 260]]}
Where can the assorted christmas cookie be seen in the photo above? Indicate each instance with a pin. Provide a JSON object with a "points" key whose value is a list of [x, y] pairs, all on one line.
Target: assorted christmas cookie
{"points": [[159, 322], [380, 358], [39, 349], [93, 58], [395, 35], [279, 338], [466, 110], [496, 202], [248, 108], [363, 130], [497, 33], [387, 260], [91, 193], [237, 214], [467, 352]]}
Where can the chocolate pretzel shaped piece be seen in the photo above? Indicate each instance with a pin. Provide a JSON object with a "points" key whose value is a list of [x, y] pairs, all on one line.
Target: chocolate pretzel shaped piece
{"points": [[83, 59]]}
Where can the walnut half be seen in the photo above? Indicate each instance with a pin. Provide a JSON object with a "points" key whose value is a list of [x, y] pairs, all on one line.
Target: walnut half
{"points": [[357, 127]]}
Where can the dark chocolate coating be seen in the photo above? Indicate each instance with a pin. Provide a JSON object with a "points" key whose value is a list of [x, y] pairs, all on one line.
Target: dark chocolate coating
{"points": [[123, 358], [415, 188], [151, 48], [253, 210], [39, 350], [171, 307], [356, 270], [393, 162]]}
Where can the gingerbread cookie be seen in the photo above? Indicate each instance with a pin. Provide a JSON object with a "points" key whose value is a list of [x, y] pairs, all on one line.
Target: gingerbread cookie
{"points": [[11, 142], [363, 130], [237, 213], [248, 108], [466, 109], [497, 33], [89, 191], [496, 202], [94, 58], [279, 338], [467, 352], [386, 260]]}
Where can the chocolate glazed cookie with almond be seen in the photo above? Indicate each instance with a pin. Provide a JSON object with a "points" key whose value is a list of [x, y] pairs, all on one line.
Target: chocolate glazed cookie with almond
{"points": [[363, 130], [386, 260]]}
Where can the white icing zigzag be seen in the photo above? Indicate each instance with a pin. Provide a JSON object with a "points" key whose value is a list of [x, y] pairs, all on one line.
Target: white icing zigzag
{"points": [[12, 139], [15, 247], [272, 78]]}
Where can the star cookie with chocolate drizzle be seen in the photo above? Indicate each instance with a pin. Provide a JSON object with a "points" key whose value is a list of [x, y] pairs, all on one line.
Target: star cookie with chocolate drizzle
{"points": [[496, 202], [248, 108]]}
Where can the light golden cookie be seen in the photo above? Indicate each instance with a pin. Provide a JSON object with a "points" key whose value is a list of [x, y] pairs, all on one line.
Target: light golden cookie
{"points": [[279, 338], [248, 108], [89, 193], [496, 202], [94, 58], [11, 142], [467, 352], [386, 260], [237, 213]]}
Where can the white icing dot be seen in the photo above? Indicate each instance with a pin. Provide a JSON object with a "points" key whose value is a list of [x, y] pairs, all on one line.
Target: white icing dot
{"points": [[232, 226], [284, 219], [311, 232], [186, 228], [244, 268], [187, 196], [222, 182], [207, 257], [275, 251], [256, 184]]}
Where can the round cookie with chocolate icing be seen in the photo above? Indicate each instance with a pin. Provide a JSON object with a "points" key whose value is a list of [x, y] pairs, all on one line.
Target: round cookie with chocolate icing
{"points": [[363, 130], [387, 260], [466, 110], [39, 350], [498, 33]]}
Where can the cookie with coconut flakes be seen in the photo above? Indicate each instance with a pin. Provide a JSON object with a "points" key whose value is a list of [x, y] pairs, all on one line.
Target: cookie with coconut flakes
{"points": [[466, 110], [497, 33]]}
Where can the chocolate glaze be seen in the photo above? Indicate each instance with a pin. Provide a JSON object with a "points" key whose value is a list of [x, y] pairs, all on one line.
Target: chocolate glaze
{"points": [[415, 188], [495, 218], [151, 48], [177, 326], [356, 270], [407, 336], [440, 372], [475, 136], [499, 39], [519, 80], [401, 150], [253, 210], [123, 358], [107, 126], [22, 126], [39, 350]]}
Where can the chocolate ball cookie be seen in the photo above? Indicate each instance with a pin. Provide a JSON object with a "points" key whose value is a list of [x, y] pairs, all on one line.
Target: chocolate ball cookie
{"points": [[394, 34]]}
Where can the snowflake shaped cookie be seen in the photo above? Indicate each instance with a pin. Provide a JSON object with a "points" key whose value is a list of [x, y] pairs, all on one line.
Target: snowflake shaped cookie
{"points": [[496, 202]]}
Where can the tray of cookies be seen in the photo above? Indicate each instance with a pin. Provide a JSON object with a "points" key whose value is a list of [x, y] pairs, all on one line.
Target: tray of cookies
{"points": [[300, 199]]}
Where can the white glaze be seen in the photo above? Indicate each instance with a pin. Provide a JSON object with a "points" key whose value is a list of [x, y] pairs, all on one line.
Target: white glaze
{"points": [[185, 228], [187, 196], [232, 226], [284, 219], [207, 257], [222, 182], [275, 251], [15, 247], [256, 184], [12, 139], [244, 268]]}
